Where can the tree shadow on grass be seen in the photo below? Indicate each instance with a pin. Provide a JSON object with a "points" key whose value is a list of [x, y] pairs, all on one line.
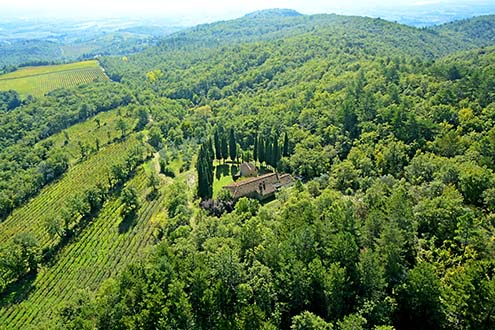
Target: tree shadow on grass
{"points": [[152, 195], [128, 222], [51, 253], [222, 170], [18, 291]]}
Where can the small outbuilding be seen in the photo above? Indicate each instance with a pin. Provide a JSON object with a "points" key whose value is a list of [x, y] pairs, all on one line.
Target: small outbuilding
{"points": [[248, 170]]}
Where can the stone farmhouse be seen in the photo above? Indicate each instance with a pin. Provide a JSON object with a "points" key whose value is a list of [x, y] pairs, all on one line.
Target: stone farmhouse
{"points": [[260, 187]]}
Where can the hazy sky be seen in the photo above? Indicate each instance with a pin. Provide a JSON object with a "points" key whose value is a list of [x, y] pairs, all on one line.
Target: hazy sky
{"points": [[193, 10]]}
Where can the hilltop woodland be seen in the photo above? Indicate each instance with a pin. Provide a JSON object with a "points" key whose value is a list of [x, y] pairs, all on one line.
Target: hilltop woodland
{"points": [[389, 130]]}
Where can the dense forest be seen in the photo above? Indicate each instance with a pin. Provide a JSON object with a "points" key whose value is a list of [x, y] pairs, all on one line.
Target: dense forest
{"points": [[388, 129]]}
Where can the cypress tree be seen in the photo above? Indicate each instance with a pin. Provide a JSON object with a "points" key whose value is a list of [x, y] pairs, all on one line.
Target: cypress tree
{"points": [[285, 152], [276, 153], [224, 147], [261, 150], [204, 168], [211, 154], [269, 152], [232, 145], [210, 178], [201, 173], [255, 152], [218, 148]]}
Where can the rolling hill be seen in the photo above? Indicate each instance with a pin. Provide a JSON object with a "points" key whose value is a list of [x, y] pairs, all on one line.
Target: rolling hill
{"points": [[479, 30], [25, 42], [279, 23], [389, 224]]}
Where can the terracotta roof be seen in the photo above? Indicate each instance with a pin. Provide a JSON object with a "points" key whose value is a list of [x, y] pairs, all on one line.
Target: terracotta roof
{"points": [[250, 180], [248, 167], [260, 187], [285, 179]]}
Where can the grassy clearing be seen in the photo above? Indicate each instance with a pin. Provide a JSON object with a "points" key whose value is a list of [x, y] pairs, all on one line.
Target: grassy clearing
{"points": [[223, 177], [39, 80], [102, 250]]}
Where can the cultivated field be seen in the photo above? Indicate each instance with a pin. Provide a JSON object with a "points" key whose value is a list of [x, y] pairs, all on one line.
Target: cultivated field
{"points": [[104, 247], [32, 216], [102, 127], [102, 250], [39, 80]]}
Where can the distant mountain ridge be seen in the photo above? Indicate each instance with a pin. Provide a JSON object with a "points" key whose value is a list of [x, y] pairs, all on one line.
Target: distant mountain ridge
{"points": [[277, 24], [276, 12], [258, 26], [480, 30], [36, 42], [296, 39]]}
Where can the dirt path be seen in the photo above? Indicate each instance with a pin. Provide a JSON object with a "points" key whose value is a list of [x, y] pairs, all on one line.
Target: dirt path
{"points": [[156, 166]]}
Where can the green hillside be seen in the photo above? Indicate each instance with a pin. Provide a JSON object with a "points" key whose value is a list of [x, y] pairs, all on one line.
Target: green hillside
{"points": [[29, 159], [69, 262], [478, 30], [88, 174], [279, 24], [236, 55], [101, 251], [114, 216]]}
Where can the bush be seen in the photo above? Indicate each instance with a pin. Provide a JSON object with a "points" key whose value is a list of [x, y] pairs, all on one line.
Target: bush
{"points": [[168, 171]]}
